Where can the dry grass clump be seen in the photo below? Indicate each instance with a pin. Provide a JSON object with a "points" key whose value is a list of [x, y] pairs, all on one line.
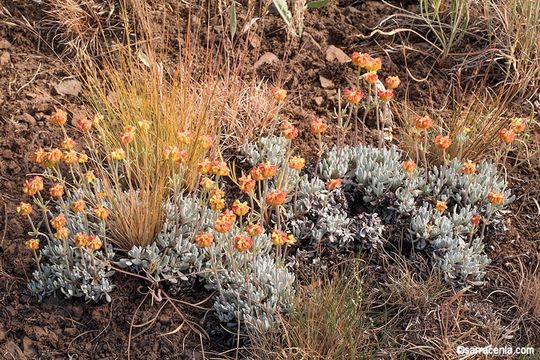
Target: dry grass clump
{"points": [[83, 27]]}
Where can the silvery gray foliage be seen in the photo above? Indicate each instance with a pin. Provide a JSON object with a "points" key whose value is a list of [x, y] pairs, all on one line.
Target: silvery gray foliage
{"points": [[268, 149], [174, 252], [379, 175], [251, 287], [317, 214], [73, 271]]}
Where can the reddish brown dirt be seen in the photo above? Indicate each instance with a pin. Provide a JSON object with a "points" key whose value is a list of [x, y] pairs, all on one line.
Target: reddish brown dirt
{"points": [[58, 329]]}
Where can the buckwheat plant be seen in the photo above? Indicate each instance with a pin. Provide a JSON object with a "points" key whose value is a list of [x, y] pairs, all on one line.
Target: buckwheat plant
{"points": [[70, 242]]}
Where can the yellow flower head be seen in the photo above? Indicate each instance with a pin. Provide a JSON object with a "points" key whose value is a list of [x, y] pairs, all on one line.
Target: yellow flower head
{"points": [[32, 244]]}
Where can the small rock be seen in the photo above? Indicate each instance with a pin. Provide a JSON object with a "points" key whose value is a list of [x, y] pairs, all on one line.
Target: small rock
{"points": [[266, 58], [4, 44], [318, 100], [310, 44], [28, 347], [334, 53], [5, 59], [68, 87], [326, 83], [70, 331]]}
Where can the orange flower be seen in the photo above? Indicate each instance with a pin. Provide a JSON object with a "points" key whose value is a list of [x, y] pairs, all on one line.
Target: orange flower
{"points": [[224, 221], [78, 205], [291, 240], [80, 239], [216, 202], [83, 158], [68, 143], [128, 135], [100, 212], [518, 125], [217, 192], [185, 137], [240, 208], [57, 190], [279, 94], [289, 130], [204, 239], [246, 183], [220, 168], [423, 123], [443, 142], [204, 166], [118, 154], [495, 198], [297, 162], [386, 95], [278, 237], [475, 219], [370, 77], [441, 206], [71, 157], [276, 197], [58, 117], [173, 153], [38, 156], [24, 208], [32, 244], [256, 173], [93, 242], [333, 184], [409, 166], [468, 168], [353, 96], [144, 125], [62, 233], [59, 221], [32, 186], [507, 136], [52, 157], [318, 126], [207, 141], [89, 176], [374, 65], [206, 183], [268, 170], [82, 123], [242, 242], [360, 59], [392, 82], [254, 229]]}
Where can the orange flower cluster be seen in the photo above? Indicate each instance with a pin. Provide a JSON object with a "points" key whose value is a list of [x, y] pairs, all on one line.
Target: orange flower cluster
{"points": [[289, 130], [254, 229], [83, 123], [263, 171], [217, 202], [441, 206], [32, 186], [278, 237], [224, 221], [276, 197], [468, 168], [297, 163], [517, 126], [128, 135], [279, 94], [173, 153], [91, 242], [318, 126], [240, 208], [409, 166], [207, 183], [507, 136], [386, 95], [204, 239], [333, 184], [32, 244], [59, 221], [24, 208], [242, 242], [392, 82], [101, 212], [58, 117], [184, 137], [118, 154], [495, 198], [443, 142], [57, 190], [353, 96], [423, 123], [246, 183]]}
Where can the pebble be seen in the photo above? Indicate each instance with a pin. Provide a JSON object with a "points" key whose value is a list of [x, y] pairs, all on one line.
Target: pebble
{"points": [[68, 87], [334, 53], [266, 58]]}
